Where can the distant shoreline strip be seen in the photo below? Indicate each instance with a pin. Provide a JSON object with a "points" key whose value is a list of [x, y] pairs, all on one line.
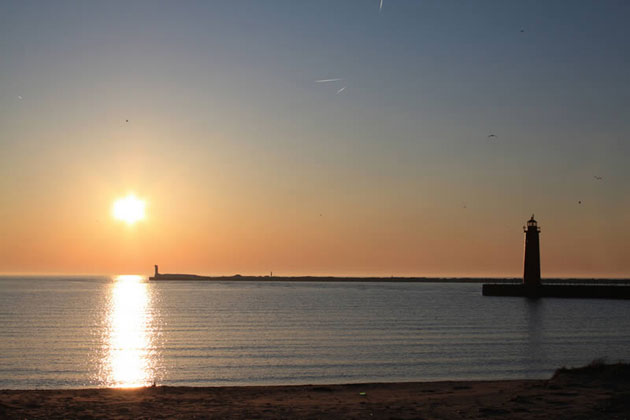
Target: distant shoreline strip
{"points": [[332, 279]]}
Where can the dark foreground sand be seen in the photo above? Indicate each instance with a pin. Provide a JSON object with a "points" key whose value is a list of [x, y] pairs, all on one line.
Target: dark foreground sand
{"points": [[594, 392]]}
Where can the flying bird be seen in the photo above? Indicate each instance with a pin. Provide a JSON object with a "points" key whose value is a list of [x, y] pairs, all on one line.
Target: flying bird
{"points": [[491, 136], [599, 178], [328, 80], [340, 90], [20, 97]]}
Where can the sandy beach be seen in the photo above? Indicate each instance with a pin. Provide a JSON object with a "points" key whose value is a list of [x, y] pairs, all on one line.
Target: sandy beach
{"points": [[594, 392]]}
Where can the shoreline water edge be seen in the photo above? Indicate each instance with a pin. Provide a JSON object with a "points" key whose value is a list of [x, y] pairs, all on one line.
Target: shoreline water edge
{"points": [[596, 391]]}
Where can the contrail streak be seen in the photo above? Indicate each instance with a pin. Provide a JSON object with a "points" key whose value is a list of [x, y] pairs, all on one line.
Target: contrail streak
{"points": [[340, 90], [327, 80], [381, 6]]}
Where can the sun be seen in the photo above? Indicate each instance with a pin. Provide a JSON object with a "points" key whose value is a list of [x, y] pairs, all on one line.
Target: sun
{"points": [[129, 209]]}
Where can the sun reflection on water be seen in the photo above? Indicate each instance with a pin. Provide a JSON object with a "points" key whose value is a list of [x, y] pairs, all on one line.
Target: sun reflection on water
{"points": [[130, 359]]}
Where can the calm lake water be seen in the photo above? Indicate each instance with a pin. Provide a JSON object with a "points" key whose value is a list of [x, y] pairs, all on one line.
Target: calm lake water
{"points": [[125, 331]]}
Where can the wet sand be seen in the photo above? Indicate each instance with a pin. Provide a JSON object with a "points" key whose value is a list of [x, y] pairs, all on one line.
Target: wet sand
{"points": [[595, 392]]}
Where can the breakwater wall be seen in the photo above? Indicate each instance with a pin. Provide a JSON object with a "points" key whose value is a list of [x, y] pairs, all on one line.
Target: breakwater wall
{"points": [[604, 291]]}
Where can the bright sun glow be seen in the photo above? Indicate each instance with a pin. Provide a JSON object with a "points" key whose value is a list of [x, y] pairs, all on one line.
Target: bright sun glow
{"points": [[129, 209]]}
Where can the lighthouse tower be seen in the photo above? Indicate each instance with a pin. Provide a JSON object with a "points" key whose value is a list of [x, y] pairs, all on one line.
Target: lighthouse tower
{"points": [[531, 273]]}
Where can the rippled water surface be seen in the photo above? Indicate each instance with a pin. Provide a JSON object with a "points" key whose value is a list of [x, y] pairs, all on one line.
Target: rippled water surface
{"points": [[125, 331]]}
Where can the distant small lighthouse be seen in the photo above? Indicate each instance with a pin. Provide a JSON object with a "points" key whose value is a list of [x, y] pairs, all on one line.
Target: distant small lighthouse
{"points": [[156, 271], [531, 272]]}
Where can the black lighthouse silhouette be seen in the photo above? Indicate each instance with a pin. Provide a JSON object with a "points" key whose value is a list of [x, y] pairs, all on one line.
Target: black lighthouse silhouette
{"points": [[531, 271], [532, 287]]}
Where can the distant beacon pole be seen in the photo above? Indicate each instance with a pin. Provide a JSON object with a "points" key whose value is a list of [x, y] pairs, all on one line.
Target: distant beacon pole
{"points": [[531, 274]]}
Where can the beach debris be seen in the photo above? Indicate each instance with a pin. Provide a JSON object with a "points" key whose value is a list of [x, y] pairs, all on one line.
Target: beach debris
{"points": [[363, 394], [579, 201]]}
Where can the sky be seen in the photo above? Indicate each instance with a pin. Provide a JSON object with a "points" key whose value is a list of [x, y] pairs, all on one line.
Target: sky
{"points": [[452, 124]]}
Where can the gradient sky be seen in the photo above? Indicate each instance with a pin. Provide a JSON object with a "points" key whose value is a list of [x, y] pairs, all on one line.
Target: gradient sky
{"points": [[250, 166]]}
